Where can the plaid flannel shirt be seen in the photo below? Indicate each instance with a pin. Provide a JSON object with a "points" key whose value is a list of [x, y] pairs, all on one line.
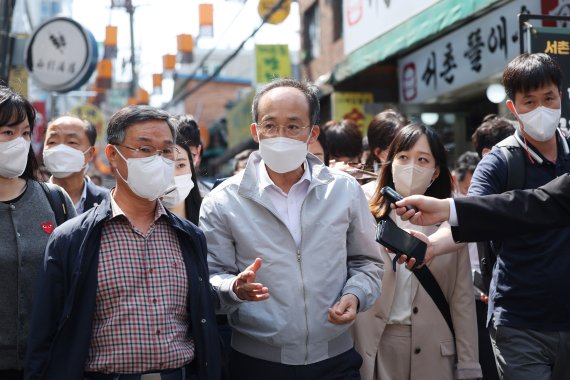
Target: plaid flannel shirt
{"points": [[141, 322]]}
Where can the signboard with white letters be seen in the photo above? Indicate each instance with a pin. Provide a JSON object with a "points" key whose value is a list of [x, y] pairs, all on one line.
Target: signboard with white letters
{"points": [[472, 53], [365, 20], [61, 55]]}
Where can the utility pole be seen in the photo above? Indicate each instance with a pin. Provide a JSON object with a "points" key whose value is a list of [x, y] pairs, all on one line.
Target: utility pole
{"points": [[128, 5], [6, 42], [131, 12]]}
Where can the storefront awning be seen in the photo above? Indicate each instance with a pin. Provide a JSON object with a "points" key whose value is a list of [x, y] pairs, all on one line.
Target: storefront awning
{"points": [[422, 26]]}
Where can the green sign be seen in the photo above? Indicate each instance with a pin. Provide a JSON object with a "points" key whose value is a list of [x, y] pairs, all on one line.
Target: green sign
{"points": [[239, 120], [271, 61]]}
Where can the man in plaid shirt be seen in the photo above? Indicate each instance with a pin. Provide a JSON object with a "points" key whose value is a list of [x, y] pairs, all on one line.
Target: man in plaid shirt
{"points": [[124, 290]]}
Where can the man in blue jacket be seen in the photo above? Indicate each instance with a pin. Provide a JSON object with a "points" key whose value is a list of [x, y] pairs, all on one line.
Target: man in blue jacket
{"points": [[529, 306], [124, 291]]}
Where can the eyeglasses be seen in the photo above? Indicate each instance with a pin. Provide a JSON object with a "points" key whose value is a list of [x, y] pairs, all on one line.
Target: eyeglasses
{"points": [[269, 129], [170, 152]]}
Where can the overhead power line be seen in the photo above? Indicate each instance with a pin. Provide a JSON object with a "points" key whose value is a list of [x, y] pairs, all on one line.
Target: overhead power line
{"points": [[184, 93]]}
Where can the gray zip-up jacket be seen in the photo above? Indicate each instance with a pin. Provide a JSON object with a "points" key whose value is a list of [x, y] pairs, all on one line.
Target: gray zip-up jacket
{"points": [[337, 255]]}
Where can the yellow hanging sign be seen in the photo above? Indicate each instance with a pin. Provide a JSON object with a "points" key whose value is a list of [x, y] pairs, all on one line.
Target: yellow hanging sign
{"points": [[279, 16], [271, 61], [19, 80], [94, 115], [350, 105]]}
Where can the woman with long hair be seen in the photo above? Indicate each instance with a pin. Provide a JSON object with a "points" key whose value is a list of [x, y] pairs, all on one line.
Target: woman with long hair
{"points": [[404, 335]]}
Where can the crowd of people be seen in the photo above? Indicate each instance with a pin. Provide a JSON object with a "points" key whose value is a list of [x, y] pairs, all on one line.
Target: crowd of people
{"points": [[275, 272]]}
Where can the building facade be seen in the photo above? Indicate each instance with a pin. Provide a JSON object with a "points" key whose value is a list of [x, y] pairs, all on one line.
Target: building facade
{"points": [[432, 59]]}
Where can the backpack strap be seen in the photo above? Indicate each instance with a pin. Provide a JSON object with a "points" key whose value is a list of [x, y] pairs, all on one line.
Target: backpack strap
{"points": [[566, 137], [56, 200], [516, 173], [516, 170]]}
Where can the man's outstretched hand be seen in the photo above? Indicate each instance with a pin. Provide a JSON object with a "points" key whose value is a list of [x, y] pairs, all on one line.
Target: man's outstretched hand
{"points": [[245, 286], [430, 210]]}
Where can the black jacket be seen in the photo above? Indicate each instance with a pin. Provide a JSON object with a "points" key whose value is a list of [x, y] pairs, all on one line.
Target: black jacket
{"points": [[514, 213], [64, 305], [94, 195]]}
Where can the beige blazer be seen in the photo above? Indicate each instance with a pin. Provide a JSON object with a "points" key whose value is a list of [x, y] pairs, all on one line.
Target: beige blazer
{"points": [[438, 357]]}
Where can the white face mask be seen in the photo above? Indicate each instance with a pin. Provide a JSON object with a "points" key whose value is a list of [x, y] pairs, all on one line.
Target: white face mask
{"points": [[410, 179], [148, 177], [63, 160], [283, 154], [540, 123], [13, 157], [183, 184]]}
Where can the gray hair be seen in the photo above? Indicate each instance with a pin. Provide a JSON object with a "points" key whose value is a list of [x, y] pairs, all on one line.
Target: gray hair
{"points": [[308, 89], [128, 116]]}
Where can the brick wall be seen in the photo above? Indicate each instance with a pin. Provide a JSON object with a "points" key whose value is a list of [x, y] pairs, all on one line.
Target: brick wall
{"points": [[209, 103], [331, 51]]}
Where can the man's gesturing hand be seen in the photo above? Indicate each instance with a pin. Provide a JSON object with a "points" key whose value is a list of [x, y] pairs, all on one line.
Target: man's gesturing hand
{"points": [[245, 287], [344, 311]]}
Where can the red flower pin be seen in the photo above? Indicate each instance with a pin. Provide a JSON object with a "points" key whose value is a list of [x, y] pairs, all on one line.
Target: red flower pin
{"points": [[48, 227]]}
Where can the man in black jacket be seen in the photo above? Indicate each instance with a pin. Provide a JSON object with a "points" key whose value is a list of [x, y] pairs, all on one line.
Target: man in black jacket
{"points": [[495, 216], [124, 289]]}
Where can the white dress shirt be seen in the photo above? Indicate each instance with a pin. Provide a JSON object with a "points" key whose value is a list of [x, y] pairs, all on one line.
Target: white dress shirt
{"points": [[453, 222], [288, 205]]}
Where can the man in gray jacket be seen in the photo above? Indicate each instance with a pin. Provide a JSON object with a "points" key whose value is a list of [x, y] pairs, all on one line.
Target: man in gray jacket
{"points": [[291, 249]]}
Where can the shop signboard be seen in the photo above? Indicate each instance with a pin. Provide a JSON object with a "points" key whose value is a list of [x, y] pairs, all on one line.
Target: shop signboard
{"points": [[556, 8], [271, 61], [94, 115], [470, 54], [365, 20], [556, 42], [18, 80], [353, 106], [61, 55], [239, 121]]}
